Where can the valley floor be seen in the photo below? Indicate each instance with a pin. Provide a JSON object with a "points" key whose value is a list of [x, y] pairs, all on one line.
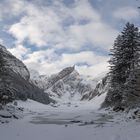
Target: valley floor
{"points": [[69, 122]]}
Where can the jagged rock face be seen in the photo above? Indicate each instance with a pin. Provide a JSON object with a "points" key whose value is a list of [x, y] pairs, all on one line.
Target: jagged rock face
{"points": [[70, 86], [101, 88], [14, 80], [55, 78], [67, 85]]}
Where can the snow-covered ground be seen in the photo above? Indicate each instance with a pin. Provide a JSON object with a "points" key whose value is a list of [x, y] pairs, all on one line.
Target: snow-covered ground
{"points": [[69, 121]]}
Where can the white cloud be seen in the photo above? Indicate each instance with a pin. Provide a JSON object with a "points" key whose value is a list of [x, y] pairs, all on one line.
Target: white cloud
{"points": [[48, 25], [83, 10], [41, 56], [44, 26], [48, 62], [94, 70], [19, 51], [10, 8], [86, 57], [98, 34], [126, 13]]}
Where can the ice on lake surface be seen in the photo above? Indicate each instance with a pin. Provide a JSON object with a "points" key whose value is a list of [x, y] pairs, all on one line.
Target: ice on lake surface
{"points": [[79, 118]]}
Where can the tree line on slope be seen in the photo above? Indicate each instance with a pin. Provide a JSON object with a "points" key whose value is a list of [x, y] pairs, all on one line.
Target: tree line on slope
{"points": [[124, 91]]}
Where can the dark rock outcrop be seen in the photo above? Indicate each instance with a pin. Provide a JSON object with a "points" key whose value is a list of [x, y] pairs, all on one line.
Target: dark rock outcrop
{"points": [[14, 80]]}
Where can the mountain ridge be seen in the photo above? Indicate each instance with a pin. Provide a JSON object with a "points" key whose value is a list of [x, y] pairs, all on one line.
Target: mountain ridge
{"points": [[67, 85]]}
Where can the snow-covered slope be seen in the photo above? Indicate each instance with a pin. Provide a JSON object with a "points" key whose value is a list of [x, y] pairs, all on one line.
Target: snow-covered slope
{"points": [[67, 85]]}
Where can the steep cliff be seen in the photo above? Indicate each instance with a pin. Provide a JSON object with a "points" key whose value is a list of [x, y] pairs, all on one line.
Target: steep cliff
{"points": [[14, 80]]}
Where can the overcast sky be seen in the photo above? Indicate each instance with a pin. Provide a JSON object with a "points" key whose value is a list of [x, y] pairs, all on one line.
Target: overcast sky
{"points": [[49, 35]]}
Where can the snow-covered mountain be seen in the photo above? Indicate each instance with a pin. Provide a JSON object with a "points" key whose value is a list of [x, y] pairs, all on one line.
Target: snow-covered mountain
{"points": [[67, 85], [101, 88], [14, 77]]}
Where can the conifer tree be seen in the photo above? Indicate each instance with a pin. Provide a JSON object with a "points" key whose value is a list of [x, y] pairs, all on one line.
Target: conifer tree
{"points": [[131, 95], [122, 62]]}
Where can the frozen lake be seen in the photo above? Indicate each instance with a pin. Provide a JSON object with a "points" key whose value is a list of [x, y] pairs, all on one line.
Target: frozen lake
{"points": [[41, 122]]}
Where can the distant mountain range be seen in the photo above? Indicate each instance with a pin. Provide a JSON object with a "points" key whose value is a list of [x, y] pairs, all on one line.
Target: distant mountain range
{"points": [[66, 86]]}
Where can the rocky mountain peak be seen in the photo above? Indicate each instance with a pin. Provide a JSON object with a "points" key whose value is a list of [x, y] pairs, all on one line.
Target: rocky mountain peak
{"points": [[66, 71], [67, 85], [55, 78]]}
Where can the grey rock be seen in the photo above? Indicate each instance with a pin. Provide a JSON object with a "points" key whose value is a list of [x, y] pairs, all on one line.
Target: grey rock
{"points": [[14, 80]]}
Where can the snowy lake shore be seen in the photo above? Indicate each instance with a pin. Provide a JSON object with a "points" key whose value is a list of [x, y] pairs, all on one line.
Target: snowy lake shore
{"points": [[69, 122]]}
